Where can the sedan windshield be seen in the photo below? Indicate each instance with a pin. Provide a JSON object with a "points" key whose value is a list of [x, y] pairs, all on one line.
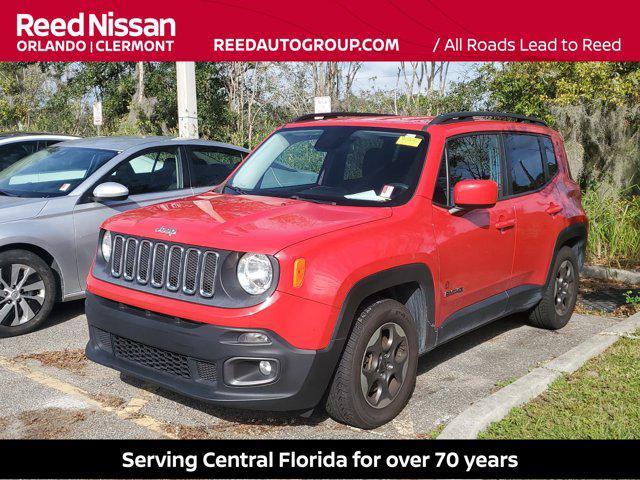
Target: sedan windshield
{"points": [[52, 172], [342, 165]]}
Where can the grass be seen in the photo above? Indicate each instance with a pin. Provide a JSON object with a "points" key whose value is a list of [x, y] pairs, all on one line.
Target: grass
{"points": [[601, 400], [503, 383], [614, 229]]}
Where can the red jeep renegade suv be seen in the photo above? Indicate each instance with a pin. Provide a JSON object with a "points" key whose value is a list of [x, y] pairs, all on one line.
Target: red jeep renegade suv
{"points": [[341, 249]]}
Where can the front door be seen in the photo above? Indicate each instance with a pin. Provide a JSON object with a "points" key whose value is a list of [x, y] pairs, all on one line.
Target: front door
{"points": [[475, 247], [152, 176]]}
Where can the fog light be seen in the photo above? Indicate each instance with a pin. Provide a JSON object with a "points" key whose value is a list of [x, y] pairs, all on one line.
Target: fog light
{"points": [[265, 368], [249, 371], [253, 337]]}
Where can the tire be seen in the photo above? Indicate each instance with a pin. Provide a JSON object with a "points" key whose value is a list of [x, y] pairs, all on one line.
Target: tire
{"points": [[383, 328], [559, 298], [22, 310]]}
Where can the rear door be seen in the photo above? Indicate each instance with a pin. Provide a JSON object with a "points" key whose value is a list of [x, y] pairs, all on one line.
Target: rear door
{"points": [[531, 166], [152, 176], [209, 166], [475, 247]]}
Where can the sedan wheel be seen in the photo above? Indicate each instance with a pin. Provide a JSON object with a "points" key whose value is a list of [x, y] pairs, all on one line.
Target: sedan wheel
{"points": [[27, 292], [22, 296]]}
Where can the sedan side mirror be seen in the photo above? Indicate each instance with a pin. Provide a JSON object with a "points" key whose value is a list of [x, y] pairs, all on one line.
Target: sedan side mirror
{"points": [[110, 191], [469, 194]]}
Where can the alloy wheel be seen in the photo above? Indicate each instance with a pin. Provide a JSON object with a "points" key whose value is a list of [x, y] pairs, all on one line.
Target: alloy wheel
{"points": [[565, 287], [384, 365], [22, 294]]}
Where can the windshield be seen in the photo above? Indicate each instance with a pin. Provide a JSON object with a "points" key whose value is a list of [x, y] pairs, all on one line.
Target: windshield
{"points": [[342, 165], [52, 172]]}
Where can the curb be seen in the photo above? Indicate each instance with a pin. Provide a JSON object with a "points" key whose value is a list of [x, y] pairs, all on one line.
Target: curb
{"points": [[476, 418], [607, 273]]}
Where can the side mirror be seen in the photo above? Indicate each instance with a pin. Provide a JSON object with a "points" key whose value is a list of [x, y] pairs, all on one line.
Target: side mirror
{"points": [[469, 194], [110, 191]]}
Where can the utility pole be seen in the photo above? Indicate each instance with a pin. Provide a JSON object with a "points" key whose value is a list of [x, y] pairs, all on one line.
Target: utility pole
{"points": [[187, 102]]}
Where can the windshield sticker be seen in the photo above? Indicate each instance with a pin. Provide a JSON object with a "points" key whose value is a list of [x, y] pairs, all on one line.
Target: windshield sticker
{"points": [[65, 187], [369, 195], [409, 140], [387, 191]]}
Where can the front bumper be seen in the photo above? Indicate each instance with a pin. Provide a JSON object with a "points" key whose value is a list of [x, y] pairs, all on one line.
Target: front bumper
{"points": [[189, 357]]}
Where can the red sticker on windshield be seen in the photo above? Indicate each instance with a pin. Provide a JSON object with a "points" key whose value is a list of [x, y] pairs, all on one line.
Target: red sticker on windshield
{"points": [[386, 192]]}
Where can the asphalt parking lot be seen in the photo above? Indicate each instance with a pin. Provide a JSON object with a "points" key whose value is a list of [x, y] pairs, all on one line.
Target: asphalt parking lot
{"points": [[49, 390]]}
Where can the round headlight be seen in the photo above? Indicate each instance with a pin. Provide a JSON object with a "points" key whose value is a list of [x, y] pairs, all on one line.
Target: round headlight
{"points": [[105, 246], [255, 273]]}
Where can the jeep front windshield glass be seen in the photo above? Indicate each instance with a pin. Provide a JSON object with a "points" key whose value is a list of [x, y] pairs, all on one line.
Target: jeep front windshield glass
{"points": [[52, 172], [342, 165]]}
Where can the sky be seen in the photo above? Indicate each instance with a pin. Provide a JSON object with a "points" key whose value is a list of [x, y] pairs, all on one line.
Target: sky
{"points": [[382, 75]]}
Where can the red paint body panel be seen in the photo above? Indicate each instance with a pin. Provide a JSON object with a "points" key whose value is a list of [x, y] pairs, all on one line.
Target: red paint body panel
{"points": [[243, 223], [475, 192], [481, 252], [303, 323]]}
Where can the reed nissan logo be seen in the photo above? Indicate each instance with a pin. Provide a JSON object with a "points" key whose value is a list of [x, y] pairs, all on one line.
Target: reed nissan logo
{"points": [[104, 32]]}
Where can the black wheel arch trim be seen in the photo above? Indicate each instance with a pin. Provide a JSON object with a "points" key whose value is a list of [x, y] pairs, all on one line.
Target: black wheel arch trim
{"points": [[575, 231], [384, 280]]}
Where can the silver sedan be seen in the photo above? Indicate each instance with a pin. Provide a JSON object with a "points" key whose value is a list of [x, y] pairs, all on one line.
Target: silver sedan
{"points": [[53, 202]]}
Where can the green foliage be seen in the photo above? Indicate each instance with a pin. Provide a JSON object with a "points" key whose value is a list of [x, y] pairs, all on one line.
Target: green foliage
{"points": [[632, 299], [614, 229], [535, 88], [57, 97]]}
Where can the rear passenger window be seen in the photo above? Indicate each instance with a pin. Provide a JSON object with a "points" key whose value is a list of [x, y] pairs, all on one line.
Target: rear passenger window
{"points": [[552, 163], [524, 162], [211, 166], [12, 152], [470, 157]]}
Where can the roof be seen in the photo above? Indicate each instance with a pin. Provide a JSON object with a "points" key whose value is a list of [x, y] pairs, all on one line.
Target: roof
{"points": [[388, 121], [122, 143], [413, 122]]}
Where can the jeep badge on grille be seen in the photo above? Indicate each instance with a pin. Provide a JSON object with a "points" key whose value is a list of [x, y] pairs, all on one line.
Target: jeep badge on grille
{"points": [[167, 231]]}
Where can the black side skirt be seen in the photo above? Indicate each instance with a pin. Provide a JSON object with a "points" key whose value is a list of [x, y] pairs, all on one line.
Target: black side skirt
{"points": [[474, 316]]}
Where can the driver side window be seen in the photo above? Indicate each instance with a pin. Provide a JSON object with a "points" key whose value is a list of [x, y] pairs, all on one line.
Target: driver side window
{"points": [[157, 170], [468, 157]]}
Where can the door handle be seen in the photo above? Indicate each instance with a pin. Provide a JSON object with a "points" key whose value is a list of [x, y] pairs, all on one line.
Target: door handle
{"points": [[504, 224], [553, 209]]}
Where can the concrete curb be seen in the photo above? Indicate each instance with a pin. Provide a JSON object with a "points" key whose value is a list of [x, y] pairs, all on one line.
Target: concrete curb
{"points": [[606, 273], [495, 407]]}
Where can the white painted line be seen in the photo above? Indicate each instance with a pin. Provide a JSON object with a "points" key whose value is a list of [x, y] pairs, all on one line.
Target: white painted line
{"points": [[132, 414]]}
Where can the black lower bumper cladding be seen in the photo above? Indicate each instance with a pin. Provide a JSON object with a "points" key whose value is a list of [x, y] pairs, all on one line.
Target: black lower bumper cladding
{"points": [[189, 358]]}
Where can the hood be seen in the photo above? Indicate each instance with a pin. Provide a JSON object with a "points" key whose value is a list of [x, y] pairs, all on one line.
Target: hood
{"points": [[244, 223], [20, 208]]}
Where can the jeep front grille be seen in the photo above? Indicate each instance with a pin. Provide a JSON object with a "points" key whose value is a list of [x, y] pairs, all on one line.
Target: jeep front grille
{"points": [[164, 266]]}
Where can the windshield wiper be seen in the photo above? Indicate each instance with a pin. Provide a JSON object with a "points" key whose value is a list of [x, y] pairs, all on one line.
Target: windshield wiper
{"points": [[237, 190], [313, 200]]}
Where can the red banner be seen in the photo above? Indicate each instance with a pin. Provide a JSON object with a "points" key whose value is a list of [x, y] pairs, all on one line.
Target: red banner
{"points": [[212, 30]]}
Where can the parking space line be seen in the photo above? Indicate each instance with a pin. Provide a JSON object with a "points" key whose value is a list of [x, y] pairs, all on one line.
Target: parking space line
{"points": [[131, 411]]}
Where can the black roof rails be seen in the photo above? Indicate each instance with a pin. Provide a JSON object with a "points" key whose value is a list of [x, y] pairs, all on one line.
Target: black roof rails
{"points": [[461, 116], [322, 116]]}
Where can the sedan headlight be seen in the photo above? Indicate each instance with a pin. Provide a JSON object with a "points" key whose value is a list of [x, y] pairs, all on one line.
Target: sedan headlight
{"points": [[105, 246], [255, 273]]}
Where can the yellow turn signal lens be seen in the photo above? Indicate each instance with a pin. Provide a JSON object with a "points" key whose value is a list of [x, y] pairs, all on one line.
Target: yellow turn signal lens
{"points": [[299, 266]]}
